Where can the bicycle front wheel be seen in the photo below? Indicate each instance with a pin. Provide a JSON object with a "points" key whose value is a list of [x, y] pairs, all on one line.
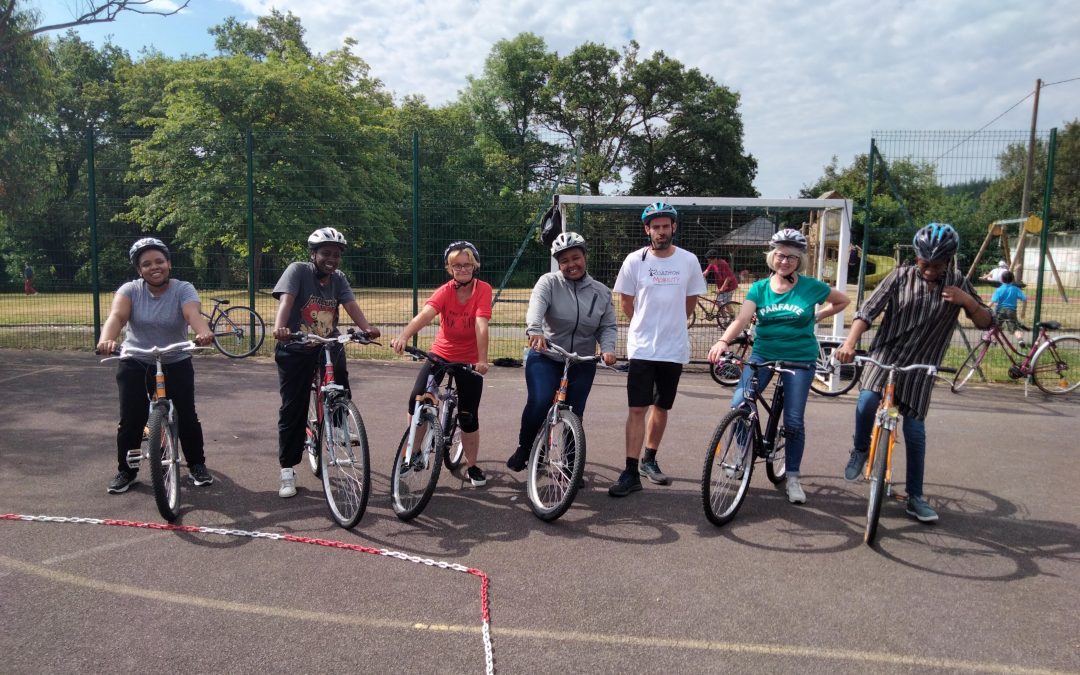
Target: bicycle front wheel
{"points": [[729, 463], [1057, 367], [970, 366], [877, 485], [556, 463], [346, 475], [692, 319], [776, 463], [164, 460], [832, 378], [413, 483], [312, 431], [238, 332], [453, 450]]}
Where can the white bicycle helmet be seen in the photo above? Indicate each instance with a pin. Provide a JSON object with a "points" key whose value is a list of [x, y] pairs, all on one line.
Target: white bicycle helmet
{"points": [[326, 235], [147, 242], [789, 237], [567, 240]]}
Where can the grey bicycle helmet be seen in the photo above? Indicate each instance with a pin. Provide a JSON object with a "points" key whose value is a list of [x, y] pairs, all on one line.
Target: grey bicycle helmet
{"points": [[659, 209], [936, 242], [326, 235], [567, 240], [789, 237], [147, 242], [461, 245]]}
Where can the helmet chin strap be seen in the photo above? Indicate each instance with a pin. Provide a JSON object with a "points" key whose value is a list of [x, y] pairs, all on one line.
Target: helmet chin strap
{"points": [[458, 284]]}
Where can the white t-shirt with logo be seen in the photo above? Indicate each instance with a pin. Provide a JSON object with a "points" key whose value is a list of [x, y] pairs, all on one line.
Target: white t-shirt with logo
{"points": [[660, 287]]}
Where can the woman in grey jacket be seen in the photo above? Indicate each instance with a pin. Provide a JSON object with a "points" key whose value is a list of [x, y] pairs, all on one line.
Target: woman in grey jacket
{"points": [[571, 309]]}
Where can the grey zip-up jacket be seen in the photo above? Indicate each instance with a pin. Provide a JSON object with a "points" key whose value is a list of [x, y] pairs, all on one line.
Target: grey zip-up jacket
{"points": [[576, 315]]}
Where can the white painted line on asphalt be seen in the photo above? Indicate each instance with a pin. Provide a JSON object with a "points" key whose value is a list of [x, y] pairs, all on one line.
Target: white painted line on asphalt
{"points": [[35, 371], [97, 549]]}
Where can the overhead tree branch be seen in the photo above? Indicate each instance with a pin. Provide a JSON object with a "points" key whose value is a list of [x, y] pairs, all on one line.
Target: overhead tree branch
{"points": [[92, 11]]}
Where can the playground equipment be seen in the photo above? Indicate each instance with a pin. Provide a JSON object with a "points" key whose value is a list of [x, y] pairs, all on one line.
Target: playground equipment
{"points": [[1030, 225]]}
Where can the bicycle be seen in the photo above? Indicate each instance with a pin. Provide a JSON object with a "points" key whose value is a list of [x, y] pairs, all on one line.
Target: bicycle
{"points": [[160, 448], [727, 374], [557, 459], [878, 469], [336, 440], [739, 441], [832, 378], [238, 331], [1052, 363], [432, 439], [711, 310]]}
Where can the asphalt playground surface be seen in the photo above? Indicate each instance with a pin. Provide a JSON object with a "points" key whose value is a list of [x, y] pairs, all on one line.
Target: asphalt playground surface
{"points": [[641, 584]]}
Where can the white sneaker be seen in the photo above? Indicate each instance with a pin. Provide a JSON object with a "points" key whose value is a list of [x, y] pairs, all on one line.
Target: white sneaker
{"points": [[795, 493], [288, 483]]}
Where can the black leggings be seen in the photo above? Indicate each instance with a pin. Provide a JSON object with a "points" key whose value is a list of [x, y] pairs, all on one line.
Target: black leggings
{"points": [[295, 371], [135, 381], [469, 388]]}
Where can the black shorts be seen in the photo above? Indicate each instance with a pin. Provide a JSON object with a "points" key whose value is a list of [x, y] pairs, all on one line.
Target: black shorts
{"points": [[652, 383]]}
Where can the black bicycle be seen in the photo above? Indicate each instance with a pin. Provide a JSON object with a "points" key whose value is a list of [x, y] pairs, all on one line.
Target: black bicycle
{"points": [[739, 441]]}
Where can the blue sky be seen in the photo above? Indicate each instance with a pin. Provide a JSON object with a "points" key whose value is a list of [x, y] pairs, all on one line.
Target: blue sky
{"points": [[816, 78]]}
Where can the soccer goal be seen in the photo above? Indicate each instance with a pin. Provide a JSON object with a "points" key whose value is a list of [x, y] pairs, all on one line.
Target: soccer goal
{"points": [[737, 228]]}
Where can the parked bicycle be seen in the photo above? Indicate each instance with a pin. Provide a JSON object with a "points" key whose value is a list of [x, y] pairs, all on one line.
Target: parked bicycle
{"points": [[432, 439], [709, 310], [878, 468], [557, 460], [739, 441], [832, 378], [1052, 363], [336, 442], [238, 331], [160, 448]]}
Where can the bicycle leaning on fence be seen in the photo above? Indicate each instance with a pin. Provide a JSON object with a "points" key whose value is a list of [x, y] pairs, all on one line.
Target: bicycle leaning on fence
{"points": [[160, 448], [238, 331], [1053, 363], [832, 378], [336, 441], [432, 439], [711, 310], [739, 441]]}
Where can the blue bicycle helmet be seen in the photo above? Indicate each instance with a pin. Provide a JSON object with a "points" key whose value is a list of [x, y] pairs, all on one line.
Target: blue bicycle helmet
{"points": [[659, 209], [935, 242]]}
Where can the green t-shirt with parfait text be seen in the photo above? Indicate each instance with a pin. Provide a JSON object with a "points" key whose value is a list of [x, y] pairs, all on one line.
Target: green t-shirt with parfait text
{"points": [[785, 321]]}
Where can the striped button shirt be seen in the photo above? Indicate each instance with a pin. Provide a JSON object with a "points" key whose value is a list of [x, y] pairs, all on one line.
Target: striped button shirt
{"points": [[917, 328]]}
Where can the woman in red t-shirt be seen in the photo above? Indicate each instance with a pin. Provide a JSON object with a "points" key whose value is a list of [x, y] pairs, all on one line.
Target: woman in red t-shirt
{"points": [[463, 306]]}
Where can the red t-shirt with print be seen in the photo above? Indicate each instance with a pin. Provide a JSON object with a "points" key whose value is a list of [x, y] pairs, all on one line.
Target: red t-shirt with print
{"points": [[456, 340]]}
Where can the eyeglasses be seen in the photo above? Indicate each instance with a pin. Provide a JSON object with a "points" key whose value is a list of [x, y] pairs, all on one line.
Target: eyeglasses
{"points": [[781, 258], [462, 268]]}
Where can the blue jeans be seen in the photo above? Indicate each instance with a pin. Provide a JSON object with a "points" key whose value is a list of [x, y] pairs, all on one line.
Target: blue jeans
{"points": [[914, 439], [796, 391], [542, 379]]}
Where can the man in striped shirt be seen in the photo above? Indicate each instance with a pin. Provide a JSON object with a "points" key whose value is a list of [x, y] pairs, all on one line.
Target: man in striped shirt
{"points": [[921, 304]]}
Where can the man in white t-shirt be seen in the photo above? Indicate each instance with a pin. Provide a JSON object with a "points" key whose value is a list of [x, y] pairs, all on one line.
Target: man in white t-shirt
{"points": [[658, 288]]}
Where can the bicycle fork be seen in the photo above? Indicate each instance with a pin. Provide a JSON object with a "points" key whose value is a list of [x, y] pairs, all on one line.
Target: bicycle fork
{"points": [[134, 456], [887, 419]]}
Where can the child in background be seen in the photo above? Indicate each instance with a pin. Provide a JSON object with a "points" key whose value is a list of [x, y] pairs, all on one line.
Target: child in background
{"points": [[1004, 304]]}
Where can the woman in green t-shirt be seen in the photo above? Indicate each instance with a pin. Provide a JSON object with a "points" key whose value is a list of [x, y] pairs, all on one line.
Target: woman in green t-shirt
{"points": [[784, 306]]}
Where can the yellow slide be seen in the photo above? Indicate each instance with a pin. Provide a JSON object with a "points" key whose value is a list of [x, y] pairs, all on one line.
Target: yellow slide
{"points": [[883, 264]]}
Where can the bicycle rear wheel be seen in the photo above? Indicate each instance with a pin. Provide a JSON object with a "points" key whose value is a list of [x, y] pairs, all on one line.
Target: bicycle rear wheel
{"points": [[1057, 367], [453, 450], [346, 474], [970, 366], [832, 378], [729, 463], [413, 484], [877, 485], [164, 460], [727, 374], [311, 434], [692, 319], [727, 314], [556, 463], [238, 332]]}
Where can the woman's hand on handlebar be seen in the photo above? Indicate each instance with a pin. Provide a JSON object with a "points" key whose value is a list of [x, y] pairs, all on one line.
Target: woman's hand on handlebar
{"points": [[106, 347], [282, 333], [538, 343], [204, 339], [372, 332], [608, 358], [398, 344], [481, 368]]}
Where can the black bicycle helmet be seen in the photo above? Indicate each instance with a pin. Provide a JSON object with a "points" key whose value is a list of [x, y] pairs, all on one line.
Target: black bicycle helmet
{"points": [[936, 242], [147, 242], [461, 245]]}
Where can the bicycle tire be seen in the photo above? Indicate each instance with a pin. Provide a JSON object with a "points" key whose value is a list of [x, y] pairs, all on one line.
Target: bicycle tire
{"points": [[727, 313], [728, 374], [409, 501], [453, 451], [692, 319], [776, 462], [556, 463], [1056, 369], [346, 473], [312, 431], [729, 463], [238, 332], [877, 486], [164, 463], [826, 371], [970, 366]]}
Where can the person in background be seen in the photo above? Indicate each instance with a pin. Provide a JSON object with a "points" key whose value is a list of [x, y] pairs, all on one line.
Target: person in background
{"points": [[1004, 301], [28, 280], [784, 304], [574, 311], [157, 311], [725, 280], [994, 275]]}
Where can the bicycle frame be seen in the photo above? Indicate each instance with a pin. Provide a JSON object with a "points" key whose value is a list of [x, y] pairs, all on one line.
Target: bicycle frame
{"points": [[765, 440]]}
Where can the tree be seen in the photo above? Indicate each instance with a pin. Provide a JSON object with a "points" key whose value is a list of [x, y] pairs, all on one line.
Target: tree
{"points": [[93, 11], [271, 35]]}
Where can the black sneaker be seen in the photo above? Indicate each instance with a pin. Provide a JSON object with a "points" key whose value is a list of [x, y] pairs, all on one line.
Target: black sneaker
{"points": [[199, 475], [121, 482], [518, 461], [476, 476], [628, 482]]}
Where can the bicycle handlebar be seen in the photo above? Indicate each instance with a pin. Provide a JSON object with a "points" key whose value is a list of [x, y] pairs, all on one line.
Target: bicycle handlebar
{"points": [[929, 368], [574, 357], [440, 362], [128, 351], [352, 335], [775, 366]]}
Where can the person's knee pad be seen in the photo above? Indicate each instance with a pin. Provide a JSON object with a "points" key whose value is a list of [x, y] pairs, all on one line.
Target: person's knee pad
{"points": [[468, 422]]}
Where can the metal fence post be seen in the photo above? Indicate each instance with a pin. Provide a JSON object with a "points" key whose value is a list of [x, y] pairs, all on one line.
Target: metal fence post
{"points": [[91, 217], [415, 225], [867, 209], [250, 152], [1048, 191]]}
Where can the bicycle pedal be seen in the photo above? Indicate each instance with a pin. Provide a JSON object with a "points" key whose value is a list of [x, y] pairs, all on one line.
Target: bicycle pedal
{"points": [[133, 457]]}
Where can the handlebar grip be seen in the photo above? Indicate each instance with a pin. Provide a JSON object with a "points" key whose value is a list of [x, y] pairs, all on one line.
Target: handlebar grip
{"points": [[943, 369]]}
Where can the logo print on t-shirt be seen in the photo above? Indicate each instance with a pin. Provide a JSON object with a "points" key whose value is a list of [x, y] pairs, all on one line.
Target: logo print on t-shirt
{"points": [[663, 277], [318, 316]]}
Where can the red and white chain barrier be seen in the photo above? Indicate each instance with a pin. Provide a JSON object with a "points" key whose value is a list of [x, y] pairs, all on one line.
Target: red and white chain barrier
{"points": [[485, 614]]}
